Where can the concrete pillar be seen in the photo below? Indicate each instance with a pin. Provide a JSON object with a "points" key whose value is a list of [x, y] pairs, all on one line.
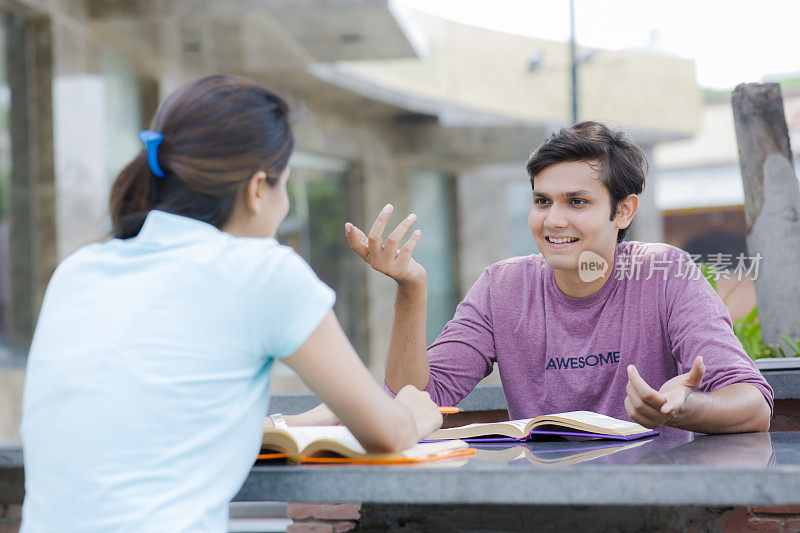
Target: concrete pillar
{"points": [[384, 182], [32, 228], [484, 228]]}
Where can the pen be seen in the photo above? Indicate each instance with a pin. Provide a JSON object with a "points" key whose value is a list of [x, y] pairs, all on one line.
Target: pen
{"points": [[449, 410]]}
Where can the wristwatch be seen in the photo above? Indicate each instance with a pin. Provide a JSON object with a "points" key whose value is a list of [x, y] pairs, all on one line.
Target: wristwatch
{"points": [[279, 421]]}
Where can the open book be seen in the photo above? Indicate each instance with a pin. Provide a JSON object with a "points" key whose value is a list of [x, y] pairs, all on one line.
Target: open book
{"points": [[330, 444], [575, 425]]}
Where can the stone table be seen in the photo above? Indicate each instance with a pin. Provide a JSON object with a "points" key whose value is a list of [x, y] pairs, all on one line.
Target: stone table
{"points": [[705, 481]]}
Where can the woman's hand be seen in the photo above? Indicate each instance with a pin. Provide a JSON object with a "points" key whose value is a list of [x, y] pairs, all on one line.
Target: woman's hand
{"points": [[387, 258], [425, 413]]}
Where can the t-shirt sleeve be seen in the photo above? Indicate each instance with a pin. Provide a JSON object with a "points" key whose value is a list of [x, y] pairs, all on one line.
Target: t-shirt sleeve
{"points": [[290, 302], [464, 353], [699, 324]]}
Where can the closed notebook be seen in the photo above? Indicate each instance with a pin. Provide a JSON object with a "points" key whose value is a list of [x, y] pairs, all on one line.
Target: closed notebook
{"points": [[331, 444], [573, 425]]}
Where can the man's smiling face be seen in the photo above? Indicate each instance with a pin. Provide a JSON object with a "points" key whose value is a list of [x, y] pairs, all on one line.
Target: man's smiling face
{"points": [[570, 214]]}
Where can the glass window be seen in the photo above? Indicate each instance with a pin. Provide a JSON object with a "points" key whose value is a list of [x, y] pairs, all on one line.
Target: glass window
{"points": [[319, 190]]}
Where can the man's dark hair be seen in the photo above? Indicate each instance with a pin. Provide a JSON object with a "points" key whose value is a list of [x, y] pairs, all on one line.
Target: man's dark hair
{"points": [[622, 164]]}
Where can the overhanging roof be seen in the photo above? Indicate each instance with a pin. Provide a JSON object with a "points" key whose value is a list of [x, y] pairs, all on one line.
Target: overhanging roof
{"points": [[255, 36]]}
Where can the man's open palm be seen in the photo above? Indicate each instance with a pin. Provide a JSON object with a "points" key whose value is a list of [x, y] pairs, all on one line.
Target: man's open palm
{"points": [[388, 258], [652, 408]]}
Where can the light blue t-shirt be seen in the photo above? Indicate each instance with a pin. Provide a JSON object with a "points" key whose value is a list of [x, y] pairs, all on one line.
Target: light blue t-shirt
{"points": [[148, 377]]}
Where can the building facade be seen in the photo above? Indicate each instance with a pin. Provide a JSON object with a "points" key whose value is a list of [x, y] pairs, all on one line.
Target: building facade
{"points": [[394, 106]]}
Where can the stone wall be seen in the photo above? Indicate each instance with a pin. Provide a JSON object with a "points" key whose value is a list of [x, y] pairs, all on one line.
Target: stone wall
{"points": [[330, 518]]}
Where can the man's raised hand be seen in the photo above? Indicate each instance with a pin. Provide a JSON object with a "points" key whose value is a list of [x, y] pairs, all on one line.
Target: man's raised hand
{"points": [[652, 408], [388, 257]]}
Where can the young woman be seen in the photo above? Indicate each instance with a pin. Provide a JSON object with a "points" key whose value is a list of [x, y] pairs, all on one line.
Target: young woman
{"points": [[148, 376]]}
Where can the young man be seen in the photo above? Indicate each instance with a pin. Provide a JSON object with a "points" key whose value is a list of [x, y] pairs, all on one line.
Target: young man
{"points": [[641, 335]]}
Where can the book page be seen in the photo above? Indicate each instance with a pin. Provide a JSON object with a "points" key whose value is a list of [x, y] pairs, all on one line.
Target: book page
{"points": [[311, 440], [520, 425], [305, 435], [596, 419], [514, 428]]}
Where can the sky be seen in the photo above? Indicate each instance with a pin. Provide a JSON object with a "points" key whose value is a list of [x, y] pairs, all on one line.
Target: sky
{"points": [[730, 41]]}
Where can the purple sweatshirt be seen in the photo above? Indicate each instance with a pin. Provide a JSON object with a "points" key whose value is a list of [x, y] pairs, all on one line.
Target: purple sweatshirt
{"points": [[556, 353]]}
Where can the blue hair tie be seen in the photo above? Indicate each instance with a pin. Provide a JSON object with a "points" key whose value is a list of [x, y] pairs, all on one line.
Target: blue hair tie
{"points": [[151, 140]]}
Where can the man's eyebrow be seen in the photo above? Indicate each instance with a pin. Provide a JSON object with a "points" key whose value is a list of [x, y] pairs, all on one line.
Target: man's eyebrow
{"points": [[582, 192], [571, 194]]}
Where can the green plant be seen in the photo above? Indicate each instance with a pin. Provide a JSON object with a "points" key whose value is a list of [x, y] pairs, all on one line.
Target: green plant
{"points": [[748, 328], [708, 273], [794, 346]]}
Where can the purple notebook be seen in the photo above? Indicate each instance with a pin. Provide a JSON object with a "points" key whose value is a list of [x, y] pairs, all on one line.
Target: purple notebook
{"points": [[569, 435]]}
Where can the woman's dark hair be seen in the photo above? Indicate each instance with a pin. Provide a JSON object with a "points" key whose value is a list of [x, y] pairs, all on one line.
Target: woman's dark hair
{"points": [[218, 131], [622, 164]]}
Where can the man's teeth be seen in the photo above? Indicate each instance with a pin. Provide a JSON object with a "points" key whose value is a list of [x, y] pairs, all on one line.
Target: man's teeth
{"points": [[562, 240]]}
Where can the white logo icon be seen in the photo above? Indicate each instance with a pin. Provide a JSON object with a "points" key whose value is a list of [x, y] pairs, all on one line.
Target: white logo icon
{"points": [[591, 266]]}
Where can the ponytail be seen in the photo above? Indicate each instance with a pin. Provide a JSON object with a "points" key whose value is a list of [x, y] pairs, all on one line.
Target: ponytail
{"points": [[131, 194], [218, 131]]}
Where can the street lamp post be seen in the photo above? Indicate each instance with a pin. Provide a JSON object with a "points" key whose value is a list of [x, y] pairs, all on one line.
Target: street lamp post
{"points": [[573, 62]]}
